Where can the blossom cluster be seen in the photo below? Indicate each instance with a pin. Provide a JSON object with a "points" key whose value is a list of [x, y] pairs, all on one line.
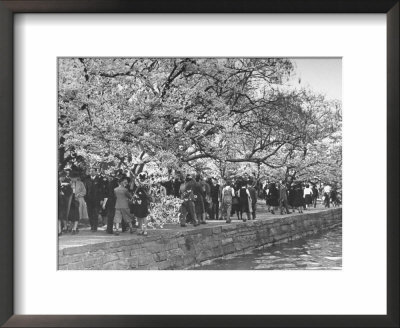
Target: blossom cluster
{"points": [[164, 209]]}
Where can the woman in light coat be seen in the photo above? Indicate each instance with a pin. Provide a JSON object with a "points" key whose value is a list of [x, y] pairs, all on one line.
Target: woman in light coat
{"points": [[78, 205]]}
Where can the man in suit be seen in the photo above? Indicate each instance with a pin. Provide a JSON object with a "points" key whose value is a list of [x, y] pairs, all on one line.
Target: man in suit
{"points": [[283, 197], [253, 196], [188, 207], [110, 200], [94, 195], [215, 190]]}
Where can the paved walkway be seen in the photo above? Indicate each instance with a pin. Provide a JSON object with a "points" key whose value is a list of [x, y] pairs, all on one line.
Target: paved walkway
{"points": [[85, 236]]}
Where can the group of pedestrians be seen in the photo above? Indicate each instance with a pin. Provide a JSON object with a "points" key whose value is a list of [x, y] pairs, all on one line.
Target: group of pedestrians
{"points": [[297, 195], [122, 202], [114, 201], [207, 199]]}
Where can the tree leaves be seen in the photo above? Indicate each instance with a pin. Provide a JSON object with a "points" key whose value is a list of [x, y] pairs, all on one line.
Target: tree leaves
{"points": [[182, 111]]}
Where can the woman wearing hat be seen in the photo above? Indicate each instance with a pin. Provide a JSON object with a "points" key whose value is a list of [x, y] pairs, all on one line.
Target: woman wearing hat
{"points": [[78, 209], [298, 200], [141, 203], [64, 201], [273, 197]]}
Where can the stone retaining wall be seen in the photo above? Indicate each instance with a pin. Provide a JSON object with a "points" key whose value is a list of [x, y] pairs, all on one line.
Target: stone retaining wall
{"points": [[188, 248]]}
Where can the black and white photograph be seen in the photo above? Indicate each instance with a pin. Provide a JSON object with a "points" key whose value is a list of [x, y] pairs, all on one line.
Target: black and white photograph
{"points": [[197, 163]]}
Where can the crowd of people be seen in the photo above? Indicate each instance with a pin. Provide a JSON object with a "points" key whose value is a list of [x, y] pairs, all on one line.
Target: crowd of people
{"points": [[121, 202], [116, 201], [298, 195]]}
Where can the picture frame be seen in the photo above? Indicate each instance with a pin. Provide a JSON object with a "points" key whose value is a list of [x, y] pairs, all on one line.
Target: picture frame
{"points": [[7, 10]]}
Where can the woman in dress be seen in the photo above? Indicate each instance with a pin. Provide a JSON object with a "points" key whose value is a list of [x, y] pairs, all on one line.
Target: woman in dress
{"points": [[64, 202], [245, 204], [273, 197], [291, 195], [267, 196], [141, 203], [298, 200], [307, 194], [78, 210]]}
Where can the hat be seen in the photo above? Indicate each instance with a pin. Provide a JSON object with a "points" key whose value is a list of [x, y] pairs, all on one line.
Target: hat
{"points": [[62, 174], [74, 174], [142, 176]]}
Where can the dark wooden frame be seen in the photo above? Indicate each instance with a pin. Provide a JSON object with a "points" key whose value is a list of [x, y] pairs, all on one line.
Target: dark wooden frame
{"points": [[7, 10]]}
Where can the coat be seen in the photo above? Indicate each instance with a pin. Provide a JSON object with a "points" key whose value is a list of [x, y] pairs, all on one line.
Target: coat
{"points": [[282, 193], [245, 200], [141, 203], [298, 200], [253, 194], [198, 193], [79, 193], [273, 196]]}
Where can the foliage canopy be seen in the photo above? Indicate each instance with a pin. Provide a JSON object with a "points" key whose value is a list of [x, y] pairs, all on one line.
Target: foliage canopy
{"points": [[196, 112]]}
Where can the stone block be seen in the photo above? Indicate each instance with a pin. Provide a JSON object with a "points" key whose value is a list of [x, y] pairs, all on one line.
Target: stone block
{"points": [[77, 250], [181, 241], [133, 262], [171, 245], [109, 266], [238, 246], [206, 232], [218, 251], [76, 266], [175, 252], [226, 241], [154, 247], [228, 227], [204, 255], [217, 230], [122, 265], [90, 263], [136, 252], [188, 260], [164, 265], [188, 246], [160, 256], [284, 227], [123, 254], [195, 231], [228, 249], [145, 259], [110, 258], [176, 262]]}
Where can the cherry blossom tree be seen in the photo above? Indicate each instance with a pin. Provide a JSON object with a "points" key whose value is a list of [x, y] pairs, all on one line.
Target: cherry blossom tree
{"points": [[193, 113]]}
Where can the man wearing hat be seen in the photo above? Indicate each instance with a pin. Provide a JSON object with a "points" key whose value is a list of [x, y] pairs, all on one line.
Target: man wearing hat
{"points": [[188, 205], [283, 197], [94, 195], [110, 200], [253, 196]]}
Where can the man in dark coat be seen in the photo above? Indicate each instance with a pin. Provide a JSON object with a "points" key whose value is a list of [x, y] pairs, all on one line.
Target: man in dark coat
{"points": [[253, 196], [314, 195], [215, 190], [109, 203], [283, 197], [199, 195], [94, 195], [188, 207]]}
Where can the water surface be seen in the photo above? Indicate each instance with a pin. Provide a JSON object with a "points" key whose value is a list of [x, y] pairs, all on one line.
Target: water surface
{"points": [[319, 252]]}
